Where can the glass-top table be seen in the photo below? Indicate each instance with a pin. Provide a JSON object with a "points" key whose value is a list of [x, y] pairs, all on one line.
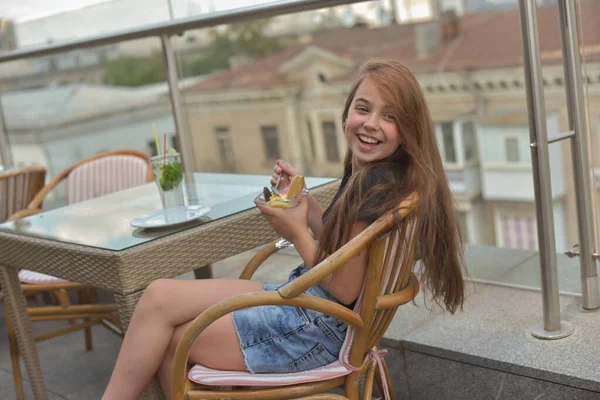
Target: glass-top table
{"points": [[93, 243], [104, 222]]}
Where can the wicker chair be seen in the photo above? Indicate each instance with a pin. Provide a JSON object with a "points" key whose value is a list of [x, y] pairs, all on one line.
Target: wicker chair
{"points": [[18, 187], [92, 177], [389, 283]]}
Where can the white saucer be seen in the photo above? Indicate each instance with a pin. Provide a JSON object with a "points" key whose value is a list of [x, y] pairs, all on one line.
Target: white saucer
{"points": [[169, 217]]}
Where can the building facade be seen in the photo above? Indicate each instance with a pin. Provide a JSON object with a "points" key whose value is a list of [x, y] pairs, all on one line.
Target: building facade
{"points": [[289, 106]]}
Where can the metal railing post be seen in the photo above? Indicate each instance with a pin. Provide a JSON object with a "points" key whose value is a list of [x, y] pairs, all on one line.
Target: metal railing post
{"points": [[552, 327], [178, 113], [580, 153], [5, 152]]}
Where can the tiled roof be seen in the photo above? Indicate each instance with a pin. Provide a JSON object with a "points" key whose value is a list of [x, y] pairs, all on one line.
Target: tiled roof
{"points": [[44, 107], [264, 72], [486, 40]]}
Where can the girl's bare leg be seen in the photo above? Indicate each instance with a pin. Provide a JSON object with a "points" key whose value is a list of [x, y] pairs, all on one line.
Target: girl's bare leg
{"points": [[206, 350], [165, 305]]}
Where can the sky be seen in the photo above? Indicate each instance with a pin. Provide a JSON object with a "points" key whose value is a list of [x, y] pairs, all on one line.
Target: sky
{"points": [[72, 19], [23, 10]]}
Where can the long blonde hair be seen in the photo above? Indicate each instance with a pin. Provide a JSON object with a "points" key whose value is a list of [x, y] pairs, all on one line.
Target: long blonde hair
{"points": [[415, 166]]}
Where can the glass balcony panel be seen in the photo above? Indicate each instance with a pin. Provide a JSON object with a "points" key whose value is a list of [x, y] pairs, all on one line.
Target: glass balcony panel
{"points": [[589, 37], [65, 107], [276, 87]]}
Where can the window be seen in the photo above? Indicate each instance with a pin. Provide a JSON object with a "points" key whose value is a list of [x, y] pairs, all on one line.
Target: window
{"points": [[518, 232], [448, 142], [331, 143], [511, 145], [469, 140], [225, 147], [271, 142]]}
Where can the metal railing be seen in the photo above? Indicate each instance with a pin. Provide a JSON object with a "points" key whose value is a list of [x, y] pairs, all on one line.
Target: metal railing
{"points": [[580, 154], [170, 28], [552, 327]]}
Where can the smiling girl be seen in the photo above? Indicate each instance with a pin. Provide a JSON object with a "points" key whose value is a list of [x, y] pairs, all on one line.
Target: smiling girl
{"points": [[392, 153]]}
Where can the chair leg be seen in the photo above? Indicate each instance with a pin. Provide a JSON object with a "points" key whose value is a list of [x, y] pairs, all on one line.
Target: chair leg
{"points": [[367, 393], [14, 356], [86, 297], [62, 295], [53, 297], [351, 386]]}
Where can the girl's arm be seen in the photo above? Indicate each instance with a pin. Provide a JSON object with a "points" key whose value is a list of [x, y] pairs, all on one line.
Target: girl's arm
{"points": [[346, 282], [292, 224]]}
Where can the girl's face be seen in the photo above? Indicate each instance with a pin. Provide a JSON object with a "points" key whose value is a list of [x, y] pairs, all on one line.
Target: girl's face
{"points": [[371, 129]]}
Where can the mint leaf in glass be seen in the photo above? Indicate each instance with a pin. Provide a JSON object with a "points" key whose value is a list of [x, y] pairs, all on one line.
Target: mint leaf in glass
{"points": [[171, 176]]}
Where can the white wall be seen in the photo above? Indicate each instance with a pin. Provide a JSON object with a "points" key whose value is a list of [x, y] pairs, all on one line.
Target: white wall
{"points": [[508, 184], [493, 143], [514, 181], [27, 155]]}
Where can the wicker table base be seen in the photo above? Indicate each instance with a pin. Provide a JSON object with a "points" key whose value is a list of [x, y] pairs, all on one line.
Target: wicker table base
{"points": [[9, 280]]}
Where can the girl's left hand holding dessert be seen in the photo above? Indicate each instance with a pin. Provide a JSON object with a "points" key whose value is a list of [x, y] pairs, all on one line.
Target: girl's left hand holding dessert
{"points": [[289, 223]]}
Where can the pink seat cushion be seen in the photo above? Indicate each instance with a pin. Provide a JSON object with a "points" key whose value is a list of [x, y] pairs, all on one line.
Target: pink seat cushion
{"points": [[213, 377], [37, 278]]}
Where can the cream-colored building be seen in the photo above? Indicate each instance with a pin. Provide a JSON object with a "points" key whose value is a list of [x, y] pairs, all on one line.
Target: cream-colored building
{"points": [[289, 106]]}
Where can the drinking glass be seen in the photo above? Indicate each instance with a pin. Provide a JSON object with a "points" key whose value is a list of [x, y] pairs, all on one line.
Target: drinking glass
{"points": [[168, 175]]}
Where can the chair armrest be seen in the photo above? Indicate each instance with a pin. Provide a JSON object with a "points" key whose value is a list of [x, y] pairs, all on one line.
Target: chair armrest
{"points": [[401, 297], [336, 260], [247, 300], [260, 257], [339, 258], [24, 213]]}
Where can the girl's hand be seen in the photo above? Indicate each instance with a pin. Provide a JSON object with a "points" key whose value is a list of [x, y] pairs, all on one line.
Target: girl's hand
{"points": [[289, 223], [286, 171]]}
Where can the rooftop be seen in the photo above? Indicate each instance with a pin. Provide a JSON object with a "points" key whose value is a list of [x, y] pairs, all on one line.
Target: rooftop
{"points": [[485, 40], [53, 105]]}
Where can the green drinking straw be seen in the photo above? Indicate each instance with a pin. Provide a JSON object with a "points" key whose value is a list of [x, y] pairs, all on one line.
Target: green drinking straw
{"points": [[156, 139]]}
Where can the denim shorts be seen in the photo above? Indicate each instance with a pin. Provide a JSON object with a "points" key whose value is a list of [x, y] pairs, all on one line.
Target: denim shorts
{"points": [[284, 339]]}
